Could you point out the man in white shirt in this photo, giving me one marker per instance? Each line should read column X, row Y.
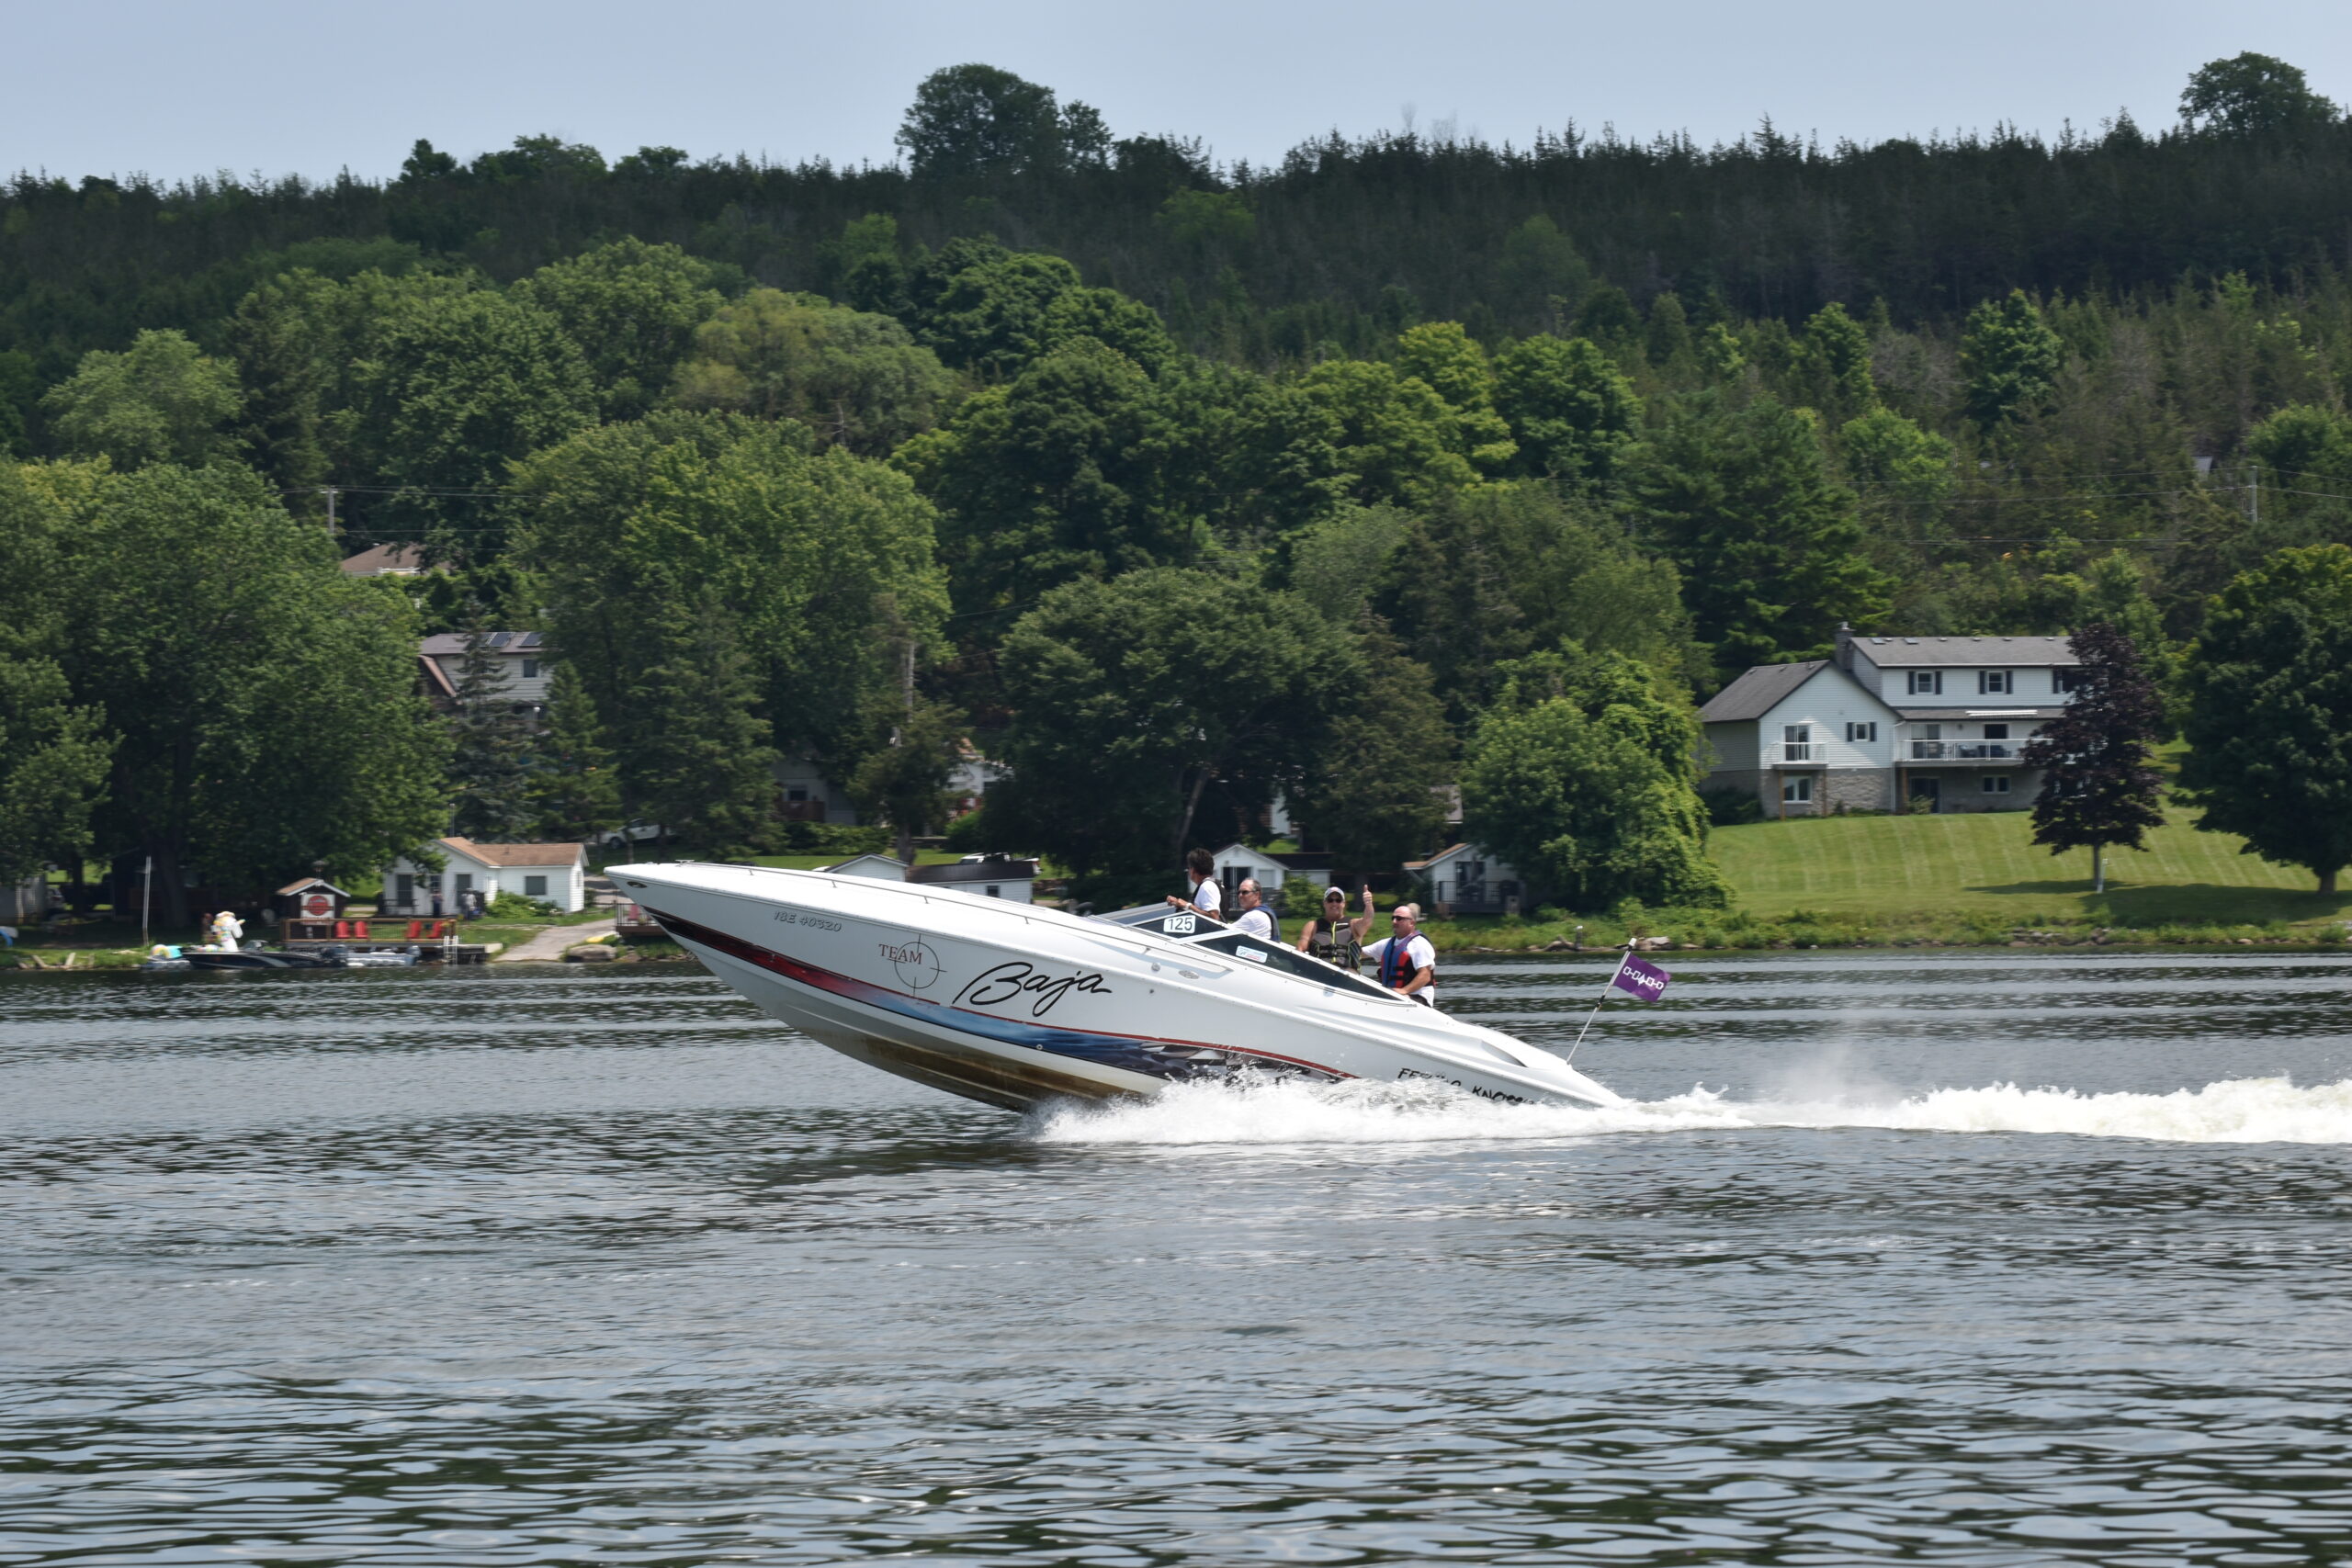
column 1404, row 961
column 1256, row 918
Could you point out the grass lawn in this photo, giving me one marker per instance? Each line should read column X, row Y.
column 1988, row 864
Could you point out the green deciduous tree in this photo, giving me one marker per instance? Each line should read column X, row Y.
column 1581, row 776
column 1132, row 698
column 2010, row 358
column 1572, row 413
column 1370, row 793
column 983, row 308
column 265, row 702
column 1067, row 472
column 2098, row 789
column 857, row 380
column 2249, row 95
column 904, row 779
column 1768, row 546
column 162, row 400
column 632, row 308
column 976, row 121
column 53, row 753
column 2269, row 724
column 749, row 569
column 456, row 389
column 1392, row 437
column 1448, row 361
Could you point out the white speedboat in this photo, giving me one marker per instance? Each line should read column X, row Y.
column 1015, row 1005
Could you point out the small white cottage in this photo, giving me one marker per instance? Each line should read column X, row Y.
column 556, row 872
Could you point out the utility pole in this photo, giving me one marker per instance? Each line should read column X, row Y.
column 330, row 493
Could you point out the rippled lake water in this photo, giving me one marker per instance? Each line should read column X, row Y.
column 1961, row 1258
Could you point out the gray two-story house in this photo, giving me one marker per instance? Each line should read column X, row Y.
column 1891, row 720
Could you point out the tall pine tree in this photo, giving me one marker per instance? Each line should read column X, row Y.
column 2096, row 786
column 490, row 763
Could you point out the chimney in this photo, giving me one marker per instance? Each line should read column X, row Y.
column 1846, row 647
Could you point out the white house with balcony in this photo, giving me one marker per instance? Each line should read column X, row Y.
column 1888, row 721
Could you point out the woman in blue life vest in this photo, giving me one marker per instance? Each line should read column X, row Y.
column 1404, row 961
column 1334, row 938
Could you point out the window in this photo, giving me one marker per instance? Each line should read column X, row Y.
column 534, row 888
column 405, row 889
column 2063, row 681
column 1797, row 791
column 530, row 669
column 465, row 882
column 1994, row 683
column 1927, row 683
column 1997, row 732
column 995, row 890
column 1995, row 783
column 1861, row 731
column 1796, row 743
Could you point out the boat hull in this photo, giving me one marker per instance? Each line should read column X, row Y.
column 1016, row 1006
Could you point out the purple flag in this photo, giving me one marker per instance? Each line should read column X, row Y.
column 1643, row 982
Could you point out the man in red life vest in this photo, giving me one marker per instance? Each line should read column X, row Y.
column 1404, row 960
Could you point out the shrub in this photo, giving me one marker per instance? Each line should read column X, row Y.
column 514, row 906
column 1729, row 806
column 831, row 838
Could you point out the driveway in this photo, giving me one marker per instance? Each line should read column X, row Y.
column 549, row 945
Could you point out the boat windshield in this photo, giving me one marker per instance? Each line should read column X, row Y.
column 1290, row 961
column 1161, row 920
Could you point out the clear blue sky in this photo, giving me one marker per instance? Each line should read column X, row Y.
column 173, row 88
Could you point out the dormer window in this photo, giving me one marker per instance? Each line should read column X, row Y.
column 1994, row 683
column 1927, row 682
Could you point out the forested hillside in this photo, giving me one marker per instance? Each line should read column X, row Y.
column 1413, row 451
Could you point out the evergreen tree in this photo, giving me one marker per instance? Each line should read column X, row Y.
column 2096, row 786
column 575, row 790
column 2010, row 358
column 1768, row 546
column 490, row 744
column 692, row 754
column 2269, row 724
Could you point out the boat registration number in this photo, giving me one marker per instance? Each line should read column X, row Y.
column 794, row 918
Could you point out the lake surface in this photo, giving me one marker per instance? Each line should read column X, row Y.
column 601, row 1268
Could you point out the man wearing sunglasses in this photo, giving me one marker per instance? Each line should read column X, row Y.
column 1404, row 960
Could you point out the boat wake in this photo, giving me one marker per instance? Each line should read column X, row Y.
column 2233, row 1111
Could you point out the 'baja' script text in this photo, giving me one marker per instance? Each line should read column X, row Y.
column 1008, row 982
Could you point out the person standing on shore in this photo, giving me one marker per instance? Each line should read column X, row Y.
column 1202, row 898
column 1334, row 938
column 1406, row 962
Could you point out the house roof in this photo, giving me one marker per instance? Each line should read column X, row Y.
column 977, row 871
column 519, row 854
column 1445, row 854
column 452, row 645
column 1758, row 690
column 378, row 559
column 310, row 882
column 877, row 861
column 1910, row 652
column 436, row 679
